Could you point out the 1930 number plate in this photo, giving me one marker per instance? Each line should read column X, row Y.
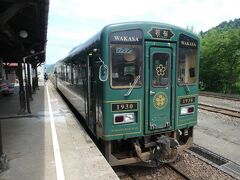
column 187, row 100
column 124, row 106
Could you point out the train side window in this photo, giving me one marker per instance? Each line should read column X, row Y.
column 68, row 73
column 75, row 74
column 63, row 72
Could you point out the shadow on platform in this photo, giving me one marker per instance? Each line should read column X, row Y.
column 10, row 103
column 24, row 142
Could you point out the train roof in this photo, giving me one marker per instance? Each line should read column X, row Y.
column 145, row 25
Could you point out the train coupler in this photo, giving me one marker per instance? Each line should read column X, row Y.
column 166, row 150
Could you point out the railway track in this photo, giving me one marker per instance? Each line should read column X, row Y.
column 179, row 172
column 123, row 173
column 220, row 96
column 139, row 173
column 225, row 111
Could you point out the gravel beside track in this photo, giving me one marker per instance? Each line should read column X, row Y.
column 198, row 169
column 233, row 121
column 187, row 163
column 145, row 173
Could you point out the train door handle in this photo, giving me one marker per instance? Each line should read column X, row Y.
column 152, row 93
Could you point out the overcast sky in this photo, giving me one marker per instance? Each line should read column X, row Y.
column 72, row 22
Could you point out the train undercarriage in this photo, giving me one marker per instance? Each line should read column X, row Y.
column 153, row 150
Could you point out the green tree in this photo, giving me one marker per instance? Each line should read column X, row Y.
column 220, row 60
column 232, row 58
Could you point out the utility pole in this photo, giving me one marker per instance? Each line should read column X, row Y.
column 22, row 99
column 3, row 157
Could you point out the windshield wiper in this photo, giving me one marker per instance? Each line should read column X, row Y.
column 133, row 85
column 186, row 88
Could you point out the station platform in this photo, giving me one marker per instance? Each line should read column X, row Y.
column 49, row 143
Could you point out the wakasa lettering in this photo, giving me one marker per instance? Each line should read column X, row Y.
column 126, row 38
column 187, row 43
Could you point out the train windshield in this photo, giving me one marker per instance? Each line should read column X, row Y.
column 126, row 58
column 187, row 61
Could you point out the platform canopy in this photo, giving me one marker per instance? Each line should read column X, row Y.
column 23, row 29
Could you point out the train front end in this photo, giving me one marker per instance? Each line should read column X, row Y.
column 149, row 104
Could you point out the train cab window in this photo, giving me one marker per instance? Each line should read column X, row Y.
column 126, row 65
column 126, row 58
column 187, row 60
column 160, row 69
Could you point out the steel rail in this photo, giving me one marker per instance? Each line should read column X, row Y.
column 216, row 109
column 219, row 96
column 179, row 172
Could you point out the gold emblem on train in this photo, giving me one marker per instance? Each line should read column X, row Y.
column 160, row 70
column 165, row 33
column 160, row 100
column 158, row 33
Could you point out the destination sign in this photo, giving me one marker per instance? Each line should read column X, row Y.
column 127, row 37
column 187, row 42
column 187, row 100
column 129, row 106
column 159, row 33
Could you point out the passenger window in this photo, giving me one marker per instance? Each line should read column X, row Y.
column 63, row 72
column 68, row 73
column 160, row 69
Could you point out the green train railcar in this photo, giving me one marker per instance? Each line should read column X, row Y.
column 136, row 86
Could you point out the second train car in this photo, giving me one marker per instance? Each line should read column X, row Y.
column 136, row 86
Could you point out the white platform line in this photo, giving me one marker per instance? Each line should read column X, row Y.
column 56, row 149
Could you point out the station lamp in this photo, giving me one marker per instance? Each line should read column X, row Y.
column 32, row 51
column 23, row 34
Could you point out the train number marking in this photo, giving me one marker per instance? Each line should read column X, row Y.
column 124, row 106
column 187, row 100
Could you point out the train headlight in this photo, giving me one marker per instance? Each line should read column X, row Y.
column 123, row 118
column 185, row 110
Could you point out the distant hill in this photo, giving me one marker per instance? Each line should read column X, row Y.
column 225, row 25
column 230, row 24
column 49, row 68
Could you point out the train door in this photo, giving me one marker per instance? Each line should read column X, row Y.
column 159, row 86
column 91, row 120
